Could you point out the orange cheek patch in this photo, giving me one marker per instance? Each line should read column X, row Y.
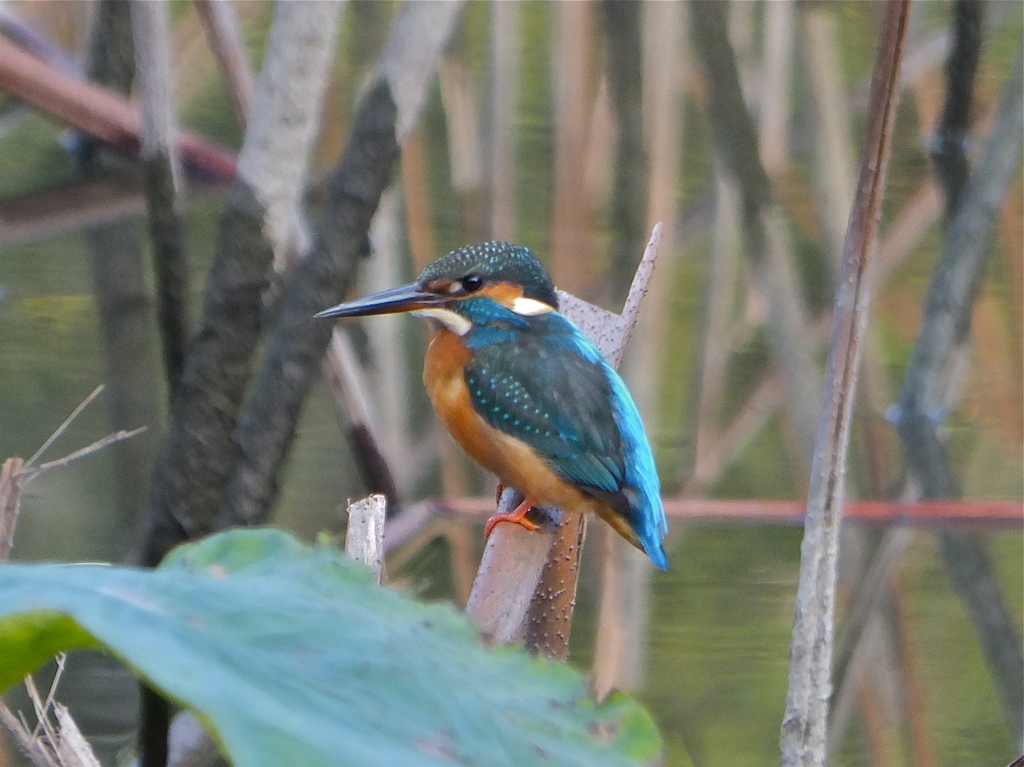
column 503, row 293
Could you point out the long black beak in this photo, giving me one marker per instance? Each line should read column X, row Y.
column 402, row 299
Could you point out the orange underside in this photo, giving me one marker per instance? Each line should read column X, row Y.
column 512, row 461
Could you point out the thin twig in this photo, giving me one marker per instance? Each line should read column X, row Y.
column 64, row 425
column 99, row 444
column 41, row 706
column 16, row 474
column 50, row 743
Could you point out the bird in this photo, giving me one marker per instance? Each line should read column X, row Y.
column 526, row 394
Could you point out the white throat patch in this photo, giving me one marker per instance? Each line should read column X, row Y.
column 530, row 307
column 454, row 322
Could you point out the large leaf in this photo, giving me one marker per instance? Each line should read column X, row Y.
column 293, row 656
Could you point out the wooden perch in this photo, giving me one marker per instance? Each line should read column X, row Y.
column 514, row 561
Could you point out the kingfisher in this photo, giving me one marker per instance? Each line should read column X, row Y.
column 526, row 394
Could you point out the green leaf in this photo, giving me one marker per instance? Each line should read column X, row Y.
column 292, row 655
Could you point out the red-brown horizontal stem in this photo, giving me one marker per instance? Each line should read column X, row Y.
column 95, row 110
column 987, row 512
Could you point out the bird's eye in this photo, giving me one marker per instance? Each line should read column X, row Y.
column 471, row 283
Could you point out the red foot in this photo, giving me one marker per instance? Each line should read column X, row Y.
column 517, row 515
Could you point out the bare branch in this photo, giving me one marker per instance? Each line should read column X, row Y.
column 199, row 449
column 389, row 108
column 110, row 439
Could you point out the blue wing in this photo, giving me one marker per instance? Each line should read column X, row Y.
column 552, row 389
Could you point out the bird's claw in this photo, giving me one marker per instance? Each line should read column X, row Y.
column 517, row 516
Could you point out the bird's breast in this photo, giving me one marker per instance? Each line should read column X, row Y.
column 512, row 460
column 444, row 372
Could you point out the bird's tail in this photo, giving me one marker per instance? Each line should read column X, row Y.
column 647, row 539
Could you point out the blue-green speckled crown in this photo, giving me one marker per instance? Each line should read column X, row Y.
column 495, row 262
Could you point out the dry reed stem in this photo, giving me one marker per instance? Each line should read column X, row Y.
column 221, row 26
column 505, row 36
column 804, row 728
column 53, row 742
column 575, row 93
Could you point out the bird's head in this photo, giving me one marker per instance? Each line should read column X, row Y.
column 450, row 288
